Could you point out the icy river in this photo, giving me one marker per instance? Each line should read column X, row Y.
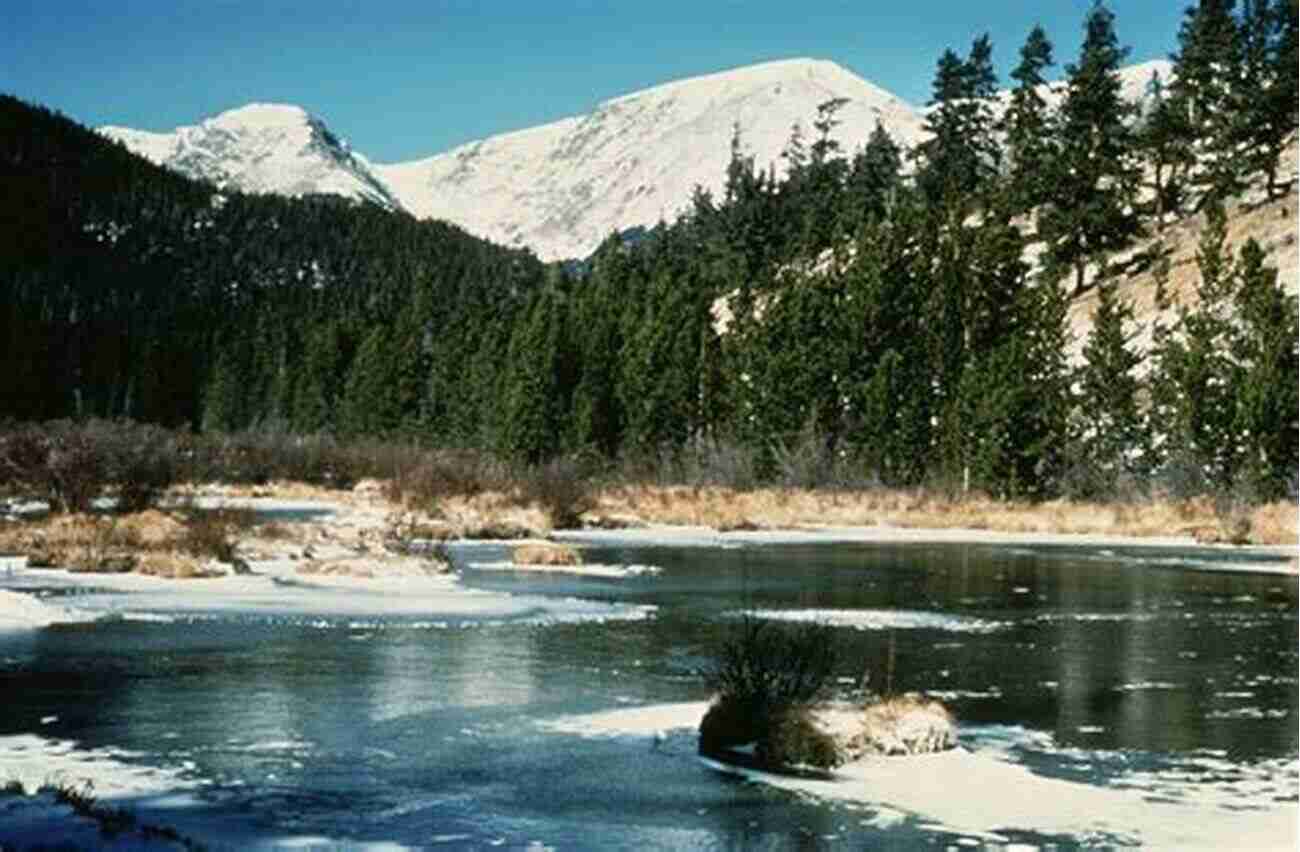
column 1106, row 696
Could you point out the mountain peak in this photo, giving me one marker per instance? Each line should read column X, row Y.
column 262, row 147
column 563, row 187
column 262, row 115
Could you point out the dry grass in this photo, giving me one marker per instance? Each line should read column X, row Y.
column 786, row 508
column 1274, row 523
column 148, row 542
column 545, row 553
column 907, row 724
column 175, row 565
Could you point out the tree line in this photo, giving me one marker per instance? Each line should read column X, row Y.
column 872, row 308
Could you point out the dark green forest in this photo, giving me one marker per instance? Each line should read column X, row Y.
column 869, row 305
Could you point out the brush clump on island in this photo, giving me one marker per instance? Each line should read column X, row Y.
column 770, row 711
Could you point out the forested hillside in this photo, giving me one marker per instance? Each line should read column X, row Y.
column 895, row 316
column 131, row 292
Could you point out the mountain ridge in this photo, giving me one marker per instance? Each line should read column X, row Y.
column 562, row 187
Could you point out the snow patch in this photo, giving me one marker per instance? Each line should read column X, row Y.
column 19, row 611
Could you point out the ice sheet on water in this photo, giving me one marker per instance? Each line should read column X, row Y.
column 983, row 790
column 593, row 569
column 19, row 611
column 880, row 619
column 279, row 594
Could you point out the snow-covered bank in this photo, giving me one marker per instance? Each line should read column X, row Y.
column 979, row 791
column 276, row 589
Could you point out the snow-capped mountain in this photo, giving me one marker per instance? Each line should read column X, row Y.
column 276, row 148
column 561, row 188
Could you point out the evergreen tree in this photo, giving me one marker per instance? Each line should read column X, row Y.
column 1205, row 65
column 874, row 179
column 319, row 380
column 225, row 406
column 1109, row 443
column 1266, row 88
column 1193, row 385
column 598, row 418
column 537, row 383
column 1028, row 126
column 1267, row 398
column 1164, row 138
column 962, row 153
column 1096, row 178
column 371, row 404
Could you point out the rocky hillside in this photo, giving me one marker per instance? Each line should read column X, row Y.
column 1272, row 224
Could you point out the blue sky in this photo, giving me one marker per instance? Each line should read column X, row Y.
column 402, row 79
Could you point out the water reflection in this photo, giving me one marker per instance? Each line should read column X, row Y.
column 390, row 727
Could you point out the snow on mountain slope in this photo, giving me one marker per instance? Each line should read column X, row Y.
column 563, row 187
column 276, row 148
column 1134, row 84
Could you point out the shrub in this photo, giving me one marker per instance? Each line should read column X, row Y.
column 765, row 677
column 562, row 488
column 75, row 467
column 430, row 477
column 139, row 460
column 23, row 450
column 771, row 667
column 213, row 533
column 907, row 724
column 726, row 724
column 70, row 464
column 791, row 739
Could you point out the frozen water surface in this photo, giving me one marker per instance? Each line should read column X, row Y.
column 1127, row 697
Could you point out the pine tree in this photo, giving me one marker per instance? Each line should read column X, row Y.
column 225, row 407
column 319, row 379
column 962, row 153
column 1028, row 126
column 1096, row 178
column 1205, row 65
column 1267, row 397
column 371, row 403
column 1266, row 91
column 1164, row 138
column 598, row 417
column 1194, row 382
column 538, row 380
column 874, row 179
column 823, row 181
column 1110, row 441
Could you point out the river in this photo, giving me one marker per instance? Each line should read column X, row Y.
column 1106, row 696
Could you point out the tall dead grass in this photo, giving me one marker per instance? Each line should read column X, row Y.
column 777, row 508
